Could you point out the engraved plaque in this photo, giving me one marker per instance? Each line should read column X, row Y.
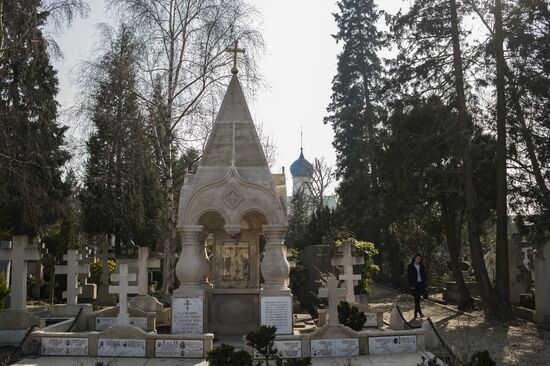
column 64, row 346
column 171, row 348
column 187, row 315
column 277, row 311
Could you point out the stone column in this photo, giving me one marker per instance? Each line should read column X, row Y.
column 275, row 267
column 193, row 265
column 542, row 290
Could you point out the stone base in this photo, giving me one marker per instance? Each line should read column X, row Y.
column 19, row 319
column 89, row 293
column 150, row 304
column 234, row 311
column 12, row 337
column 65, row 310
column 451, row 294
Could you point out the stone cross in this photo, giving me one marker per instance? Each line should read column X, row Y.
column 334, row 295
column 234, row 51
column 526, row 252
column 348, row 261
column 104, row 254
column 72, row 269
column 122, row 289
column 144, row 263
column 19, row 254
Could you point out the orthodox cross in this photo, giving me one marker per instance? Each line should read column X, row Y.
column 123, row 290
column 348, row 261
column 334, row 294
column 235, row 50
column 72, row 269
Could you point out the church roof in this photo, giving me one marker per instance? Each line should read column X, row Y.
column 233, row 140
column 301, row 167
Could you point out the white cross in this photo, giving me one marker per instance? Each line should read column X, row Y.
column 347, row 261
column 123, row 290
column 19, row 254
column 334, row 295
column 144, row 263
column 72, row 269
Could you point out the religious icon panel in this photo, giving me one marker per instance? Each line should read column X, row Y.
column 235, row 261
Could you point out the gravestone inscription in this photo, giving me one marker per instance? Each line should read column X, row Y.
column 64, row 346
column 179, row 348
column 188, row 315
column 277, row 311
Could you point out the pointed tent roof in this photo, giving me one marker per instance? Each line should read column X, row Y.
column 233, row 140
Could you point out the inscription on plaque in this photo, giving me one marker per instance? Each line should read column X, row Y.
column 121, row 347
column 388, row 345
column 179, row 348
column 64, row 346
column 277, row 311
column 335, row 347
column 187, row 315
column 285, row 349
column 102, row 323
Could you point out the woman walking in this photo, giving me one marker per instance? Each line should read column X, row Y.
column 416, row 276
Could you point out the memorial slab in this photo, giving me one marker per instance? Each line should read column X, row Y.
column 277, row 311
column 120, row 347
column 179, row 348
column 188, row 315
column 335, row 347
column 64, row 346
column 392, row 344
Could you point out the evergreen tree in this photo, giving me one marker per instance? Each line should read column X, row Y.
column 121, row 190
column 31, row 153
column 354, row 116
column 298, row 219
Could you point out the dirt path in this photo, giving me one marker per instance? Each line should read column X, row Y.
column 516, row 343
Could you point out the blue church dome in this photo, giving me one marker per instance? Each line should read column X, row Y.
column 301, row 167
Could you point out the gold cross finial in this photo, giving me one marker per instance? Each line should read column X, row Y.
column 235, row 50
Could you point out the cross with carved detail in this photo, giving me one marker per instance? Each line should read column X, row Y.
column 235, row 50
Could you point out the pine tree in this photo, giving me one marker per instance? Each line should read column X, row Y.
column 121, row 190
column 31, row 146
column 354, row 116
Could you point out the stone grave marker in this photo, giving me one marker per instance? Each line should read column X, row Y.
column 72, row 269
column 348, row 261
column 89, row 290
column 19, row 254
column 103, row 295
column 334, row 295
column 144, row 264
column 392, row 344
column 123, row 289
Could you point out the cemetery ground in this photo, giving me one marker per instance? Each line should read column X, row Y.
column 515, row 343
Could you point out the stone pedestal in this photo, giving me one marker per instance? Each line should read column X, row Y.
column 276, row 298
column 542, row 290
column 189, row 300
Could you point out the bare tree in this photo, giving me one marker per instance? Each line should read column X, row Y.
column 321, row 179
column 270, row 149
column 183, row 63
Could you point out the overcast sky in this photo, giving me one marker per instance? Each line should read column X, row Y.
column 298, row 67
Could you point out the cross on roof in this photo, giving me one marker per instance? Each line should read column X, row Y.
column 235, row 50
column 144, row 263
column 347, row 261
column 72, row 269
column 334, row 295
column 18, row 255
column 122, row 289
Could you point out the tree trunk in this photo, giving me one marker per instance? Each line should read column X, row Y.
column 502, row 264
column 452, row 233
column 489, row 298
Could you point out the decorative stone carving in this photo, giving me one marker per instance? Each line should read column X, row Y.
column 275, row 267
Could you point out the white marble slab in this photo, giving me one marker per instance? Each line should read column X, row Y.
column 102, row 323
column 391, row 345
column 372, row 320
column 188, row 315
column 64, row 346
column 169, row 348
column 277, row 311
column 335, row 347
column 120, row 347
column 285, row 349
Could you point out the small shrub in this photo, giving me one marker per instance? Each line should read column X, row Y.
column 225, row 355
column 350, row 316
column 96, row 270
column 4, row 289
column 482, row 359
column 263, row 341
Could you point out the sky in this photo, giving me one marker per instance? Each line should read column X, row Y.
column 298, row 67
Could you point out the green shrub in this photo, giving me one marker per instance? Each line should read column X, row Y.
column 4, row 289
column 263, row 341
column 96, row 270
column 225, row 355
column 350, row 316
column 482, row 359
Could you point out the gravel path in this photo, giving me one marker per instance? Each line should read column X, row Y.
column 516, row 343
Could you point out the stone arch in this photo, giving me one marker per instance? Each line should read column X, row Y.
column 254, row 218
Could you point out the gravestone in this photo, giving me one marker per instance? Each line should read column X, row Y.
column 89, row 290
column 542, row 290
column 123, row 289
column 348, row 261
column 20, row 253
column 334, row 295
column 105, row 254
column 72, row 269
